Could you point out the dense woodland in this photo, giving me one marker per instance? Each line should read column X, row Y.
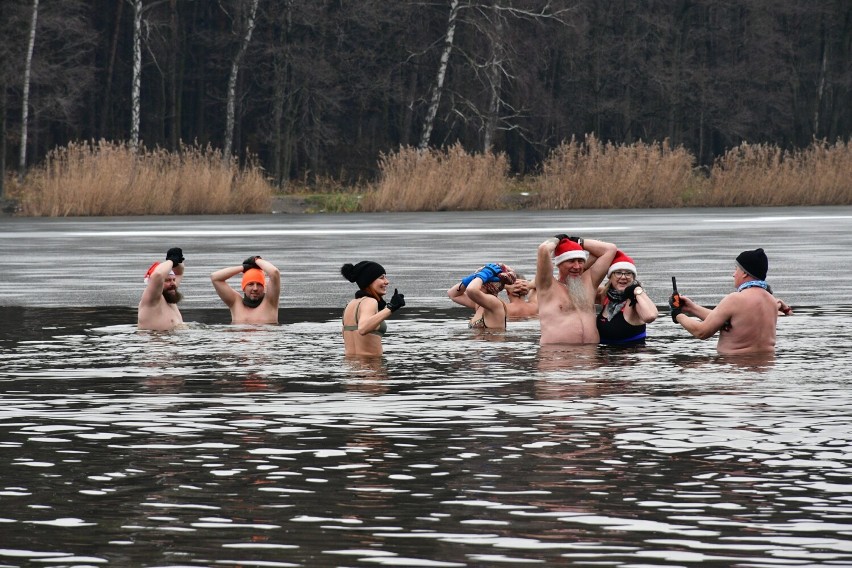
column 321, row 88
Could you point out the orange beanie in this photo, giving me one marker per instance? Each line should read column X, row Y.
column 253, row 275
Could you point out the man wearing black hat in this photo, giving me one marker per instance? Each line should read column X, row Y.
column 745, row 319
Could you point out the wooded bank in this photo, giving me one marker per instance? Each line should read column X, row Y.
column 322, row 89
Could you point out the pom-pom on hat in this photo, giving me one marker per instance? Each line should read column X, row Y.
column 754, row 262
column 621, row 262
column 568, row 250
column 253, row 275
column 151, row 270
column 363, row 273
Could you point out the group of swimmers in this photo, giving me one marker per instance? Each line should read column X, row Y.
column 588, row 273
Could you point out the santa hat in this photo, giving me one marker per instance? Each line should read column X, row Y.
column 253, row 275
column 151, row 270
column 621, row 262
column 568, row 250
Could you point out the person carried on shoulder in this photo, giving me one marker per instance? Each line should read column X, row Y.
column 158, row 310
column 746, row 319
column 261, row 286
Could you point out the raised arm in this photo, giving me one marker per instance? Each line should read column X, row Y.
column 457, row 294
column 154, row 289
column 544, row 265
column 478, row 296
column 601, row 254
column 223, row 289
column 371, row 316
column 641, row 306
column 273, row 289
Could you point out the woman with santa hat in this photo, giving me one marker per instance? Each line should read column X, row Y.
column 625, row 307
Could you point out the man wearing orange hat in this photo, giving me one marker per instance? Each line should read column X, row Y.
column 259, row 303
column 566, row 303
column 158, row 309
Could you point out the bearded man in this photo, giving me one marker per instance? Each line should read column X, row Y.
column 566, row 303
column 158, row 309
column 259, row 302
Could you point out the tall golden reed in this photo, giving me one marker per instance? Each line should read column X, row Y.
column 437, row 180
column 765, row 175
column 109, row 178
column 593, row 174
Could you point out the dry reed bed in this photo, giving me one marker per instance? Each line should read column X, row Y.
column 592, row 174
column 111, row 179
column 596, row 175
column 107, row 178
column 760, row 174
column 437, row 180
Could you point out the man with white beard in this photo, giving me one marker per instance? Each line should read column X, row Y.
column 566, row 304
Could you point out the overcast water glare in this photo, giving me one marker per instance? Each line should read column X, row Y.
column 263, row 446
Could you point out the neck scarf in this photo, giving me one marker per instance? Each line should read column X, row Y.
column 614, row 305
column 754, row 284
column 363, row 294
column 248, row 302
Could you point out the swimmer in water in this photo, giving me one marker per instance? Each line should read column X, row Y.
column 566, row 304
column 364, row 317
column 158, row 310
column 523, row 302
column 261, row 285
column 479, row 290
column 745, row 319
column 625, row 307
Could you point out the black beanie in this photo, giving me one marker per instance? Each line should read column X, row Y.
column 363, row 273
column 754, row 262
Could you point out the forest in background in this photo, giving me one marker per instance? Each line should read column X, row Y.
column 321, row 88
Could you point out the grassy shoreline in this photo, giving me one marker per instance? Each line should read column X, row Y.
column 98, row 179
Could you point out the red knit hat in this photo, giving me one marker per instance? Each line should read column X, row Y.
column 568, row 250
column 621, row 262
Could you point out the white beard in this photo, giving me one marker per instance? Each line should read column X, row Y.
column 577, row 293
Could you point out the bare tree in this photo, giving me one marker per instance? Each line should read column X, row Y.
column 429, row 121
column 136, row 86
column 25, row 103
column 232, row 80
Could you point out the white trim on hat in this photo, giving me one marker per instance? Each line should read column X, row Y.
column 570, row 255
column 623, row 265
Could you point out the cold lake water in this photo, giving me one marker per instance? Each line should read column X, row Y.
column 221, row 445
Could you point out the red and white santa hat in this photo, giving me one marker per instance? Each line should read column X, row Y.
column 152, row 268
column 568, row 250
column 621, row 262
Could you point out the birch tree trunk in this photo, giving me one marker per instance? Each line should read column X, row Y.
column 25, row 102
column 429, row 122
column 232, row 83
column 2, row 138
column 135, row 94
column 495, row 82
column 821, row 83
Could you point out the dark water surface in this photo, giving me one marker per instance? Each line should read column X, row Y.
column 262, row 446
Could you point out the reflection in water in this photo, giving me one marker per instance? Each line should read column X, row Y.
column 265, row 446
